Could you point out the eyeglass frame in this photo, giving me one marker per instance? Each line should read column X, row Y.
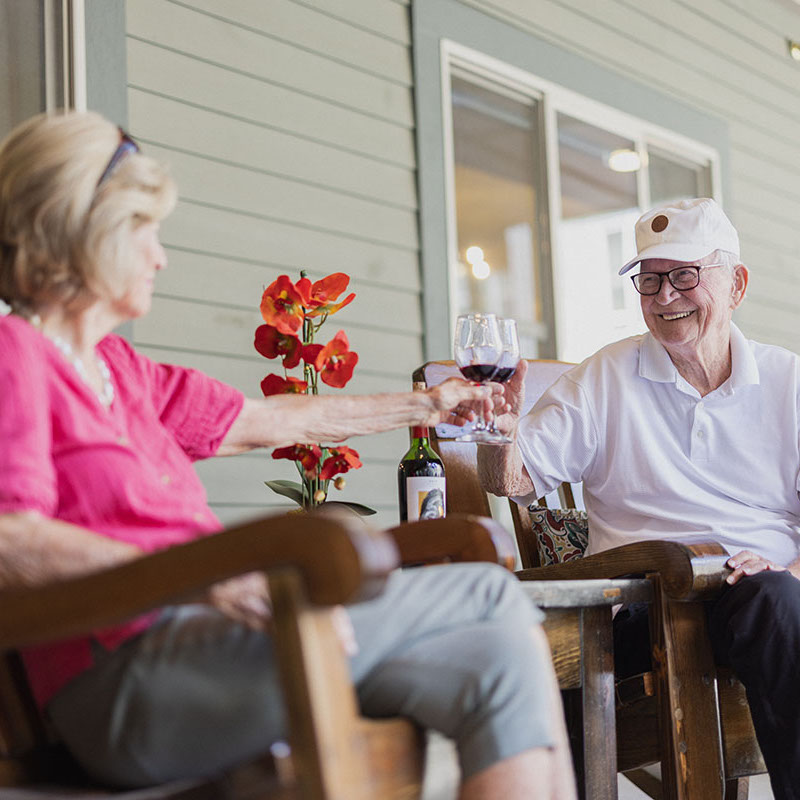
column 668, row 274
column 126, row 145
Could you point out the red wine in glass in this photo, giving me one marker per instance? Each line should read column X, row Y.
column 479, row 373
column 503, row 374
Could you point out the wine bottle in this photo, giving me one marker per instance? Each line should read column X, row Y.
column 420, row 478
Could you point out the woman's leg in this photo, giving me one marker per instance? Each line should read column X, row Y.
column 193, row 695
column 452, row 649
column 547, row 769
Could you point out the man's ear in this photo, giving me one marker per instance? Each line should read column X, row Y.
column 740, row 279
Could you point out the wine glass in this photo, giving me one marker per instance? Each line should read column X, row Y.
column 478, row 349
column 509, row 358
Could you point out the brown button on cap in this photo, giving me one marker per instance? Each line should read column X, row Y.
column 659, row 223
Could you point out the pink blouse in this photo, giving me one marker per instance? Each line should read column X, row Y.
column 124, row 472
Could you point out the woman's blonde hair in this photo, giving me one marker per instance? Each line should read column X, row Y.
column 64, row 239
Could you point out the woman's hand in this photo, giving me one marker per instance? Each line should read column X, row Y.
column 244, row 599
column 748, row 563
column 457, row 401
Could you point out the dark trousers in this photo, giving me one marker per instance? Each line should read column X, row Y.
column 755, row 628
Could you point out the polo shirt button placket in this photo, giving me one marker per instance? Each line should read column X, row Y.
column 699, row 448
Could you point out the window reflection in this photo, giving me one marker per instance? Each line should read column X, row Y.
column 672, row 178
column 500, row 205
column 599, row 206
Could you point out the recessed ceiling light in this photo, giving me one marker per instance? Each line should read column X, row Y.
column 624, row 160
column 481, row 270
column 474, row 254
column 794, row 49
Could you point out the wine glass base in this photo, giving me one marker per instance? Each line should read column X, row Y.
column 484, row 437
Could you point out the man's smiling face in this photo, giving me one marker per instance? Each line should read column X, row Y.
column 688, row 320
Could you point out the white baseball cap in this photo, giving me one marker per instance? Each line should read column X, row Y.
column 684, row 230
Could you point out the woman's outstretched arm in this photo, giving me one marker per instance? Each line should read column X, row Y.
column 286, row 419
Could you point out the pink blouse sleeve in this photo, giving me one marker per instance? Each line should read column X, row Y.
column 27, row 474
column 196, row 409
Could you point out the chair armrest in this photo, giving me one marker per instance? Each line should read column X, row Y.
column 339, row 560
column 589, row 593
column 688, row 572
column 457, row 537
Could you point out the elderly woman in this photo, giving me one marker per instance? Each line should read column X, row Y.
column 96, row 468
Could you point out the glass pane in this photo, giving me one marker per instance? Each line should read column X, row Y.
column 599, row 206
column 672, row 178
column 500, row 206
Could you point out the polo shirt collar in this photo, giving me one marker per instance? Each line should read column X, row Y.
column 744, row 369
column 654, row 361
column 656, row 365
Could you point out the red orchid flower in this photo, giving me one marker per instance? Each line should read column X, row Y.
column 282, row 305
column 274, row 384
column 335, row 362
column 319, row 297
column 307, row 454
column 310, row 352
column 341, row 459
column 271, row 343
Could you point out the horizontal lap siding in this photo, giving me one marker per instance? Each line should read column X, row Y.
column 288, row 126
column 727, row 58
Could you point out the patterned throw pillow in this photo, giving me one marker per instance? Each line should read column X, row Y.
column 561, row 533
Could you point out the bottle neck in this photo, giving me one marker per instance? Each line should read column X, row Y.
column 420, row 432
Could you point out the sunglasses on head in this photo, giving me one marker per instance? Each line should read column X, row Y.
column 126, row 145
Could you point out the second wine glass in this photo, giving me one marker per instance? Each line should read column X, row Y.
column 509, row 358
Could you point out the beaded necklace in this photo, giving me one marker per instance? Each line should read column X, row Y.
column 106, row 397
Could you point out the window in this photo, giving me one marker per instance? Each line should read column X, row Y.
column 499, row 207
column 544, row 190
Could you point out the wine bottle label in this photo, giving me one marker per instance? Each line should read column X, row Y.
column 425, row 498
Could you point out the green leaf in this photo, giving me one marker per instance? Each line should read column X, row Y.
column 356, row 508
column 290, row 489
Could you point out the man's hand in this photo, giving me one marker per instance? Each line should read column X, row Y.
column 507, row 416
column 749, row 563
column 457, row 401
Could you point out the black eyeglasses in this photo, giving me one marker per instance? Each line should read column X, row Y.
column 681, row 278
column 126, row 145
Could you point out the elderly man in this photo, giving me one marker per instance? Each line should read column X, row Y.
column 687, row 431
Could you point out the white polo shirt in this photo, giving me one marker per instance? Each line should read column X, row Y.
column 658, row 460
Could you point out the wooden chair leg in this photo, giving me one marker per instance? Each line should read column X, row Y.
column 590, row 712
column 691, row 765
column 599, row 718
